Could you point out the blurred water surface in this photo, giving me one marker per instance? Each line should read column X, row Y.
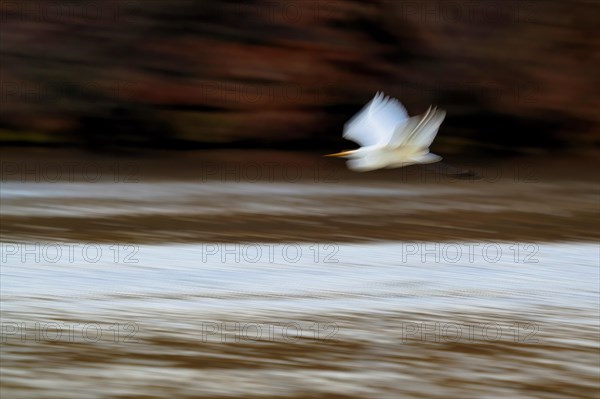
column 184, row 321
column 196, row 310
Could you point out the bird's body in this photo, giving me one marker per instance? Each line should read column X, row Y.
column 389, row 138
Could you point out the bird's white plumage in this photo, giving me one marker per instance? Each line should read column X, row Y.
column 388, row 137
column 376, row 122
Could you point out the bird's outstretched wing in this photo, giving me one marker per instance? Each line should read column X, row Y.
column 425, row 132
column 376, row 122
column 418, row 131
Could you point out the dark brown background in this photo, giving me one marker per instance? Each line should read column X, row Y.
column 513, row 75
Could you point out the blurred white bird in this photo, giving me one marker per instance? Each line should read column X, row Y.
column 388, row 137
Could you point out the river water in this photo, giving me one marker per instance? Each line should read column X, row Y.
column 297, row 290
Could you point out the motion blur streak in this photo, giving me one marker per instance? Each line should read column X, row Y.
column 267, row 289
column 170, row 227
column 193, row 327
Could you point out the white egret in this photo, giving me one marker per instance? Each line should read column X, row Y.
column 388, row 137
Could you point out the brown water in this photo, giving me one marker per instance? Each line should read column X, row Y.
column 205, row 283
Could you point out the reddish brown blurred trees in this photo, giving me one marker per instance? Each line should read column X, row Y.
column 510, row 73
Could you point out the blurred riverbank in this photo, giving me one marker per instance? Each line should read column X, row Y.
column 241, row 196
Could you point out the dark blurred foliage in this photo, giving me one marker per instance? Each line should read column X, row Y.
column 513, row 75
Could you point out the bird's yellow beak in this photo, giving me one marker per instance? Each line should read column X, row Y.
column 340, row 154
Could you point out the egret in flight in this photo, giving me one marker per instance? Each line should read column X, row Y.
column 388, row 137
